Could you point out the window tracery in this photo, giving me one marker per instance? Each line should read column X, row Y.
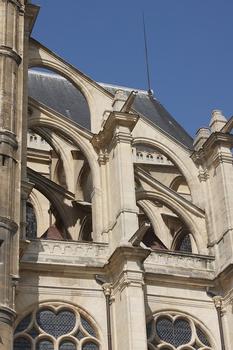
column 56, row 327
column 173, row 330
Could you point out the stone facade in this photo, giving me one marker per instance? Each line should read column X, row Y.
column 119, row 236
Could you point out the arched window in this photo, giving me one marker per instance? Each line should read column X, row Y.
column 184, row 244
column 31, row 227
column 56, row 327
column 174, row 330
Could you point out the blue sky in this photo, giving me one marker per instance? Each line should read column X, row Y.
column 190, row 49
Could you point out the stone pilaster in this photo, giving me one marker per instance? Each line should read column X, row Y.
column 128, row 305
column 214, row 158
column 116, row 141
column 11, row 116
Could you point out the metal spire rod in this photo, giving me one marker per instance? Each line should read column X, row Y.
column 146, row 54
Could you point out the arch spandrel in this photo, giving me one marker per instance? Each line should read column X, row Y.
column 145, row 134
column 97, row 98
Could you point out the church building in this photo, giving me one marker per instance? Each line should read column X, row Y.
column 116, row 227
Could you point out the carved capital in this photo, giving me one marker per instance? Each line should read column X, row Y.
column 218, row 301
column 107, row 289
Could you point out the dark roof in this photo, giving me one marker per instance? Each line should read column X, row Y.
column 60, row 95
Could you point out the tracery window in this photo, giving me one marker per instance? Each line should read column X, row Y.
column 184, row 244
column 56, row 327
column 171, row 331
column 31, row 227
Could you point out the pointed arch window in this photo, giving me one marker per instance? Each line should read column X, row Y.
column 185, row 244
column 31, row 223
column 174, row 330
column 56, row 327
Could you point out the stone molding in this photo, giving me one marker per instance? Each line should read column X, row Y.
column 180, row 264
column 7, row 315
column 8, row 224
column 207, row 149
column 9, row 52
column 107, row 136
column 66, row 253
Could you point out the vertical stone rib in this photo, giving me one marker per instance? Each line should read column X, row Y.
column 11, row 118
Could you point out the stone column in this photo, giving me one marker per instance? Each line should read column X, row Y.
column 128, row 305
column 11, row 101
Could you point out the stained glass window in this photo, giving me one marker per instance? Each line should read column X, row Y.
column 22, row 343
column 56, row 324
column 185, row 244
column 55, row 327
column 90, row 346
column 172, row 330
column 176, row 332
column 67, row 345
column 31, row 227
column 44, row 345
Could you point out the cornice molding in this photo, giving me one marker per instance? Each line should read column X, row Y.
column 9, row 52
column 114, row 121
column 208, row 148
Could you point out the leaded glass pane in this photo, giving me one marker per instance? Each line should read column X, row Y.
column 79, row 335
column 202, row 337
column 67, row 345
column 44, row 345
column 22, row 344
column 86, row 325
column 56, row 324
column 90, row 346
column 31, row 228
column 23, row 324
column 33, row 332
column 185, row 244
column 176, row 333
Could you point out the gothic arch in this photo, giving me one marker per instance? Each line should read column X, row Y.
column 40, row 56
column 156, row 221
column 46, row 118
column 57, row 322
column 184, row 166
column 53, row 141
column 194, row 223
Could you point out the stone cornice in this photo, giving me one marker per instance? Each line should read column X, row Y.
column 215, row 139
column 115, row 119
column 124, row 254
